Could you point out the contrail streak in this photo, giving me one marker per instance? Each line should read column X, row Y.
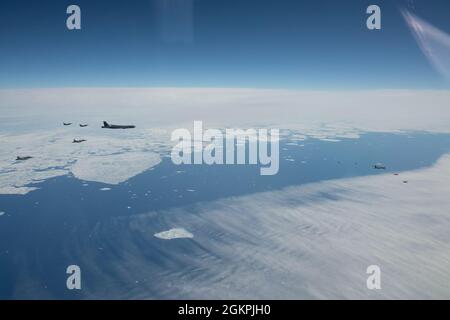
column 433, row 42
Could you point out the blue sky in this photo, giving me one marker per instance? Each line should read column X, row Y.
column 216, row 43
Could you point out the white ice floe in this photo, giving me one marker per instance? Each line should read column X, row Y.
column 330, row 140
column 176, row 233
column 2, row 213
column 114, row 169
column 109, row 158
column 105, row 189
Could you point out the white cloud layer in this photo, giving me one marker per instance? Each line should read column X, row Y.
column 315, row 241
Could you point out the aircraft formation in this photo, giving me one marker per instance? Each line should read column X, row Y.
column 106, row 125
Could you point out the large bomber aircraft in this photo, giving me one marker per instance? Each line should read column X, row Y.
column 106, row 125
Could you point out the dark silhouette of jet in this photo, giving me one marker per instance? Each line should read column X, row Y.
column 106, row 125
column 23, row 158
column 67, row 123
column 83, row 125
column 78, row 141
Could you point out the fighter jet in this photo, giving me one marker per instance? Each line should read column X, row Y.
column 106, row 125
column 78, row 141
column 379, row 166
column 83, row 125
column 23, row 158
column 67, row 123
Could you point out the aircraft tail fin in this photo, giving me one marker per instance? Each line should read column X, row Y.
column 105, row 124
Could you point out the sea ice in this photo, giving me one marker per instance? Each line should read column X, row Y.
column 177, row 233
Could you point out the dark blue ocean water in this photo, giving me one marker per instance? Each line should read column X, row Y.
column 40, row 229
